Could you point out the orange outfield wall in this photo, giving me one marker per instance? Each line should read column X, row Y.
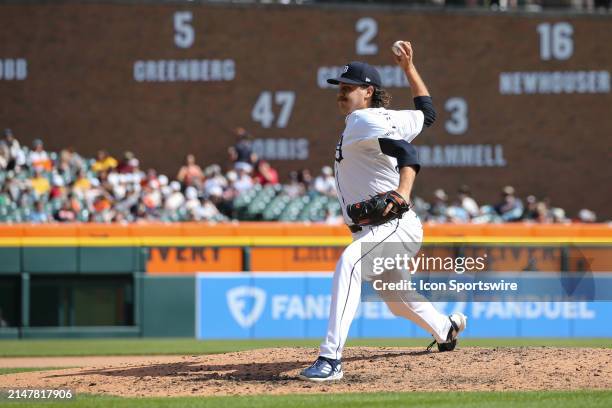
column 177, row 247
column 266, row 229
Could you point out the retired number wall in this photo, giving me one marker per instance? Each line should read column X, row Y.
column 522, row 100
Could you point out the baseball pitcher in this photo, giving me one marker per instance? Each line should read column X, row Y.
column 375, row 168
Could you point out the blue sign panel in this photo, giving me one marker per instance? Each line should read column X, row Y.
column 284, row 305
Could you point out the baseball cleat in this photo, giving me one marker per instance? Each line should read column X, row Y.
column 458, row 324
column 324, row 369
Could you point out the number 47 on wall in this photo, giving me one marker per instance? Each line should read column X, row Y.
column 262, row 110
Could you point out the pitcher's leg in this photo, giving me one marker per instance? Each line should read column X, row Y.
column 413, row 306
column 346, row 296
column 424, row 315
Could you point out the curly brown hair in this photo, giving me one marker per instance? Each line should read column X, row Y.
column 380, row 98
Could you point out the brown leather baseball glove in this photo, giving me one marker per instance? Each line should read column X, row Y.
column 370, row 212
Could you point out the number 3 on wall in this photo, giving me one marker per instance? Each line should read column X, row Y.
column 458, row 122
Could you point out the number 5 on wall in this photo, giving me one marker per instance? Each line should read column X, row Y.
column 184, row 34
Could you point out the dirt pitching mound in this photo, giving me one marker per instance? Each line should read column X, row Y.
column 367, row 369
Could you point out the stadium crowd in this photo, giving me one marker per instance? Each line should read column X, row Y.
column 39, row 186
column 589, row 6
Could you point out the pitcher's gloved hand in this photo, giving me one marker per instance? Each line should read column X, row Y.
column 372, row 211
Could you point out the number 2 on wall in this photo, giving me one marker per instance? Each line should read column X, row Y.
column 368, row 28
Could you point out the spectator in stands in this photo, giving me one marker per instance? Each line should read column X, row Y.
column 503, row 4
column 102, row 207
column 63, row 167
column 17, row 155
column 151, row 199
column 74, row 159
column 294, row 188
column 220, row 200
column 119, row 217
column 129, row 163
column 530, row 213
column 455, row 213
column 467, row 202
column 558, row 215
column 175, row 199
column 65, row 213
column 586, row 215
column 305, row 178
column 543, row 213
column 265, row 174
column 510, row 208
column 438, row 209
column 38, row 159
column 241, row 154
column 325, row 183
column 538, row 211
column 39, row 214
column 214, row 178
column 15, row 188
column 243, row 180
column 208, row 210
column 57, row 187
column 82, row 183
column 129, row 205
column 104, row 162
column 5, row 155
column 75, row 203
column 40, row 183
column 153, row 181
column 192, row 202
column 190, row 174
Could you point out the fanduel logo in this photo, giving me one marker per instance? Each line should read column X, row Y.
column 237, row 303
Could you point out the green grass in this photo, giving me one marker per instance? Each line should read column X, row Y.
column 104, row 347
column 13, row 370
column 553, row 399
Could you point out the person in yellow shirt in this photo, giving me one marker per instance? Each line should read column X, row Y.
column 104, row 162
column 40, row 183
column 82, row 183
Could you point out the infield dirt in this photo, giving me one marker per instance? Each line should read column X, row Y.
column 367, row 369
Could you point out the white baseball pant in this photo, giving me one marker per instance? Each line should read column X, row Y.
column 346, row 289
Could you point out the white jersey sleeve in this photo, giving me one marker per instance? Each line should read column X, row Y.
column 409, row 123
column 365, row 124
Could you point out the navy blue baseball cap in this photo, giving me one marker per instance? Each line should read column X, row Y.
column 358, row 73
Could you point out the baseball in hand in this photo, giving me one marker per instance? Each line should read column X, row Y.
column 397, row 48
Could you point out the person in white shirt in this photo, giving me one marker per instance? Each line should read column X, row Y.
column 325, row 183
column 374, row 155
column 38, row 159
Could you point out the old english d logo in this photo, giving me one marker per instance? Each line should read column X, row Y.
column 237, row 300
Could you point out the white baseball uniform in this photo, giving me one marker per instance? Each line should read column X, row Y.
column 363, row 170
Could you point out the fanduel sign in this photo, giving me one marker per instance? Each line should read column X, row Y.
column 297, row 305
